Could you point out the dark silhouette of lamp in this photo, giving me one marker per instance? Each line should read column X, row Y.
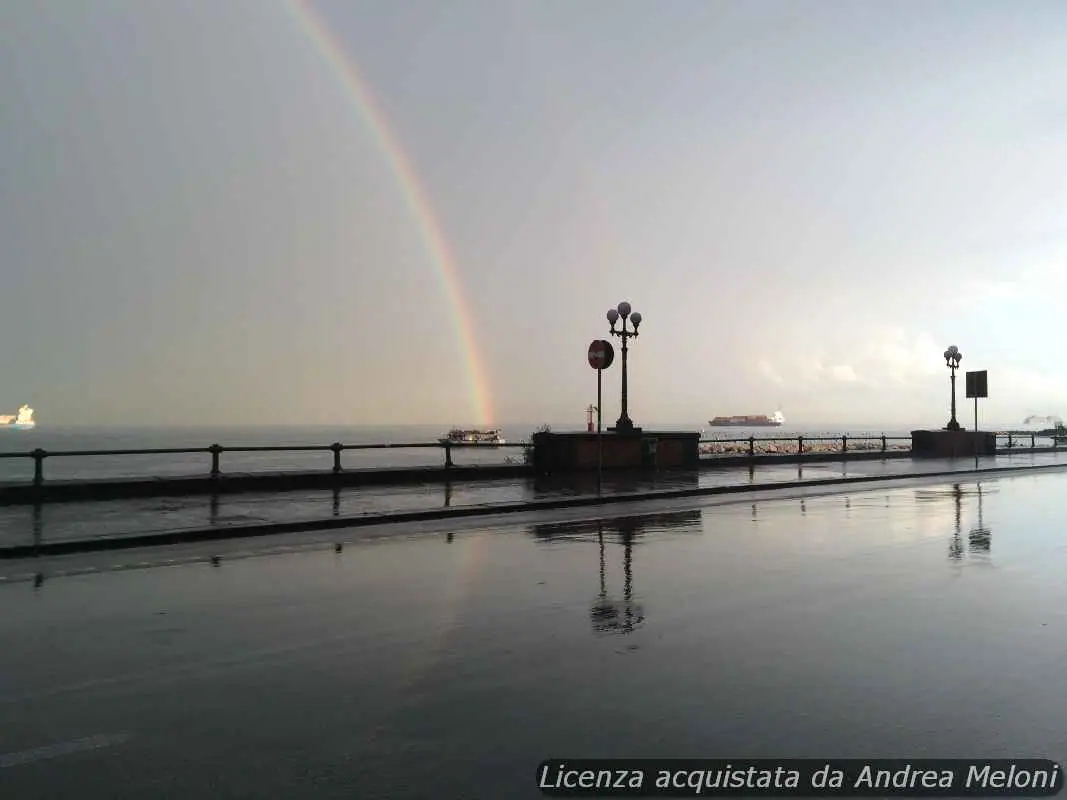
column 623, row 312
column 953, row 356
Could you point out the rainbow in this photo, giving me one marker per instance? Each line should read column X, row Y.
column 414, row 195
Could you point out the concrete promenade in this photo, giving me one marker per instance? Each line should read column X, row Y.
column 922, row 618
column 23, row 527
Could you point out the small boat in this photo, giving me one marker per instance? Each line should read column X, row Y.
column 458, row 437
column 23, row 421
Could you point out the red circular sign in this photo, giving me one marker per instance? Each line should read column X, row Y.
column 601, row 354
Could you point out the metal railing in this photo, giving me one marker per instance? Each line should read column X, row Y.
column 809, row 445
column 216, row 450
column 709, row 449
column 1028, row 441
column 802, row 445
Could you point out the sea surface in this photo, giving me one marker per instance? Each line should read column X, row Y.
column 68, row 439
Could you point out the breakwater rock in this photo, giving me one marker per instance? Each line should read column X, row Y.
column 792, row 446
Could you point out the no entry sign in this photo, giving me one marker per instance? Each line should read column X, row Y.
column 601, row 354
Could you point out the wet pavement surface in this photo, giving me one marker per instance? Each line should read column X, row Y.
column 926, row 617
column 76, row 521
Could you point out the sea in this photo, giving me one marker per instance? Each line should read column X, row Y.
column 15, row 445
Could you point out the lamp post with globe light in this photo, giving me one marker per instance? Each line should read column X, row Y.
column 623, row 313
column 953, row 356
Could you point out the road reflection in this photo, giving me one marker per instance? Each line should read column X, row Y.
column 617, row 483
column 979, row 540
column 611, row 614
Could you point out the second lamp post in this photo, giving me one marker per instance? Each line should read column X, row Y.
column 623, row 312
column 952, row 361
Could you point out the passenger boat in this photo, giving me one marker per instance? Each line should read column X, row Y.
column 473, row 438
column 23, row 421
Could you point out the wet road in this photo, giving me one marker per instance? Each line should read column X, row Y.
column 920, row 618
column 75, row 521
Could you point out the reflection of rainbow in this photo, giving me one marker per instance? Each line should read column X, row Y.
column 414, row 195
column 471, row 555
column 420, row 674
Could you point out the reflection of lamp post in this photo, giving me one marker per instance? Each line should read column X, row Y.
column 955, row 549
column 952, row 361
column 981, row 537
column 624, row 424
column 605, row 612
column 628, row 587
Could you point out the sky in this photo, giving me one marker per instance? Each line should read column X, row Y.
column 337, row 212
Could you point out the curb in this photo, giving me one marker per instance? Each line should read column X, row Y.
column 366, row 520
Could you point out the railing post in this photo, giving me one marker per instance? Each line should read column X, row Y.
column 844, row 444
column 800, row 445
column 1009, row 441
column 884, row 445
column 337, row 447
column 215, row 450
column 448, row 455
column 751, row 446
column 38, row 466
column 1033, row 439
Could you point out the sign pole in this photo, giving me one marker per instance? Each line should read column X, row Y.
column 978, row 386
column 601, row 354
column 599, row 431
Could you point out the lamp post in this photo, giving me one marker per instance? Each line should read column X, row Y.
column 623, row 312
column 953, row 356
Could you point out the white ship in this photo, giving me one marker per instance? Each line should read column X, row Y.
column 473, row 438
column 22, row 421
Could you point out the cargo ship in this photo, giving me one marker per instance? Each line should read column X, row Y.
column 749, row 421
column 23, row 421
column 473, row 438
column 1054, row 427
column 1051, row 419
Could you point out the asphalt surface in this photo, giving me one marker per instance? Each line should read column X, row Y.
column 922, row 618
